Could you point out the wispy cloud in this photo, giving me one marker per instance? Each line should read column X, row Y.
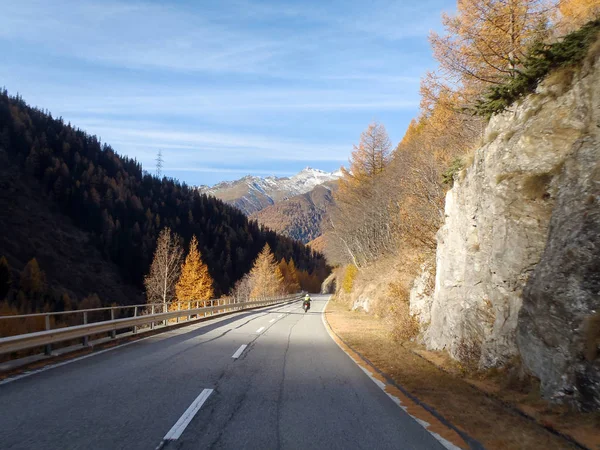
column 221, row 84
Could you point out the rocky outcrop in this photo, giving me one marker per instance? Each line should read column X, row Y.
column 329, row 284
column 559, row 322
column 518, row 254
column 421, row 295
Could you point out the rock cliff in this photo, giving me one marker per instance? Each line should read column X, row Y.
column 518, row 257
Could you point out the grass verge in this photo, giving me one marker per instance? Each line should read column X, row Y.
column 482, row 413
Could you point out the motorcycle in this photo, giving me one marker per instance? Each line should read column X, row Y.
column 306, row 306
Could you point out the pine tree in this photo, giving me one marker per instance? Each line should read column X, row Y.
column 165, row 268
column 266, row 278
column 195, row 283
column 5, row 277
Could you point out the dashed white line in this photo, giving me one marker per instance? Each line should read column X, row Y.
column 179, row 427
column 272, row 320
column 281, row 315
column 239, row 351
column 260, row 330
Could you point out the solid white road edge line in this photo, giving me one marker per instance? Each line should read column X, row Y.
column 179, row 427
column 272, row 320
column 239, row 351
column 260, row 329
column 449, row 445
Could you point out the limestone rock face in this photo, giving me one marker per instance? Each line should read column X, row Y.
column 420, row 299
column 518, row 253
column 559, row 323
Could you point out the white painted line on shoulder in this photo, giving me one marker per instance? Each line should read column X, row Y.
column 281, row 315
column 260, row 330
column 239, row 351
column 272, row 320
column 447, row 444
column 180, row 426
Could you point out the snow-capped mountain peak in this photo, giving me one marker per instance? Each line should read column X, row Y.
column 253, row 193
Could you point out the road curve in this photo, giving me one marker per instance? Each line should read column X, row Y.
column 263, row 379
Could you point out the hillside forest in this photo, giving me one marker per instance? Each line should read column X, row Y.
column 107, row 202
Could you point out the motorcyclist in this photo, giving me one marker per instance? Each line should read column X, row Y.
column 306, row 303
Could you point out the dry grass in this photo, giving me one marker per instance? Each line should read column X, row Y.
column 536, row 186
column 560, row 80
column 481, row 416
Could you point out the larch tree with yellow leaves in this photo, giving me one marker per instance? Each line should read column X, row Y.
column 265, row 276
column 195, row 282
column 290, row 276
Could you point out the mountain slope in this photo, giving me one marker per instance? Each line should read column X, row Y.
column 30, row 227
column 252, row 194
column 123, row 208
column 299, row 217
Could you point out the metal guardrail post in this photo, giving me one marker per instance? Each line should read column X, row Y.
column 135, row 315
column 113, row 333
column 85, row 321
column 178, row 309
column 152, row 323
column 48, row 347
column 189, row 307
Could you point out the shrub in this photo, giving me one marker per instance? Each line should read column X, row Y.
column 448, row 176
column 349, row 277
column 404, row 325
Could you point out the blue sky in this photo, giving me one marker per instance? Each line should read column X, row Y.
column 224, row 88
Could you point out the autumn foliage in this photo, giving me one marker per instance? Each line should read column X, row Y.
column 391, row 203
column 291, row 284
column 265, row 275
column 194, row 282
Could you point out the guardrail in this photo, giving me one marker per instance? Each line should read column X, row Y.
column 51, row 336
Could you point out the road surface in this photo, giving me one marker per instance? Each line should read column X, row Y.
column 290, row 387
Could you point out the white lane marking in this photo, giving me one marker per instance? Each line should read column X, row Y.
column 281, row 315
column 260, row 329
column 64, row 363
column 239, row 351
column 447, row 444
column 272, row 320
column 179, row 427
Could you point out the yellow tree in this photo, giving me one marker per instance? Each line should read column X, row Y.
column 265, row 277
column 372, row 154
column 290, row 276
column 357, row 220
column 484, row 43
column 575, row 13
column 195, row 283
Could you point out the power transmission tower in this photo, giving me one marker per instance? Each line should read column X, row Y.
column 159, row 164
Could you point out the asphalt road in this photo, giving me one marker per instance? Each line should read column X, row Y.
column 292, row 387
